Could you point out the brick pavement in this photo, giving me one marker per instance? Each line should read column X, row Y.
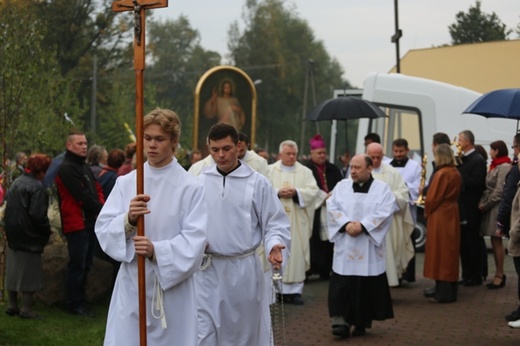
column 477, row 318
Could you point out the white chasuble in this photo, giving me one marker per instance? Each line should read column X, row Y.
column 300, row 214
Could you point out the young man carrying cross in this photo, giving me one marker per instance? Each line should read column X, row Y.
column 173, row 202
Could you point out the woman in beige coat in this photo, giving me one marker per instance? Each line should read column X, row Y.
column 489, row 203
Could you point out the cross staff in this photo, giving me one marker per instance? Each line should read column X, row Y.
column 139, row 7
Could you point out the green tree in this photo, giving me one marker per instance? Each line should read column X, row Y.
column 33, row 98
column 79, row 31
column 177, row 62
column 115, row 107
column 476, row 26
column 76, row 27
column 276, row 47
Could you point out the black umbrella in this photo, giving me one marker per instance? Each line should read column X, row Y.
column 344, row 108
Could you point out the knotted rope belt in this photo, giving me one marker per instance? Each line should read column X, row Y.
column 208, row 257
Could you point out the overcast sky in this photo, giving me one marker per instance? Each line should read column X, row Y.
column 355, row 32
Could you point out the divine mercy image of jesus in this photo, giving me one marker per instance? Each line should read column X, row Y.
column 224, row 94
column 224, row 106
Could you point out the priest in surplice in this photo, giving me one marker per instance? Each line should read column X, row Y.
column 360, row 213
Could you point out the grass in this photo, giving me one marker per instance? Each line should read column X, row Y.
column 57, row 329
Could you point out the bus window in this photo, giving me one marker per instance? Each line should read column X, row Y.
column 400, row 123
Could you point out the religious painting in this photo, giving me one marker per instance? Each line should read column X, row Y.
column 224, row 94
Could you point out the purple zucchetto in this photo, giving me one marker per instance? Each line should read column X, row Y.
column 317, row 142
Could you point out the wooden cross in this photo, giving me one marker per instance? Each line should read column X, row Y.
column 139, row 7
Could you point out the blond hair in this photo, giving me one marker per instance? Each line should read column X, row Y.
column 444, row 156
column 167, row 119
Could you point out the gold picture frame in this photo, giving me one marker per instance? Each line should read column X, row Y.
column 224, row 94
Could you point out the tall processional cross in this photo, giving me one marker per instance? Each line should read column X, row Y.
column 139, row 7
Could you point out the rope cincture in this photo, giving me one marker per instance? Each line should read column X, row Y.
column 208, row 257
column 157, row 300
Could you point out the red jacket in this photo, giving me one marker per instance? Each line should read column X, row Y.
column 80, row 195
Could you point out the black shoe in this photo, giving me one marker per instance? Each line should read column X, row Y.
column 84, row 312
column 12, row 312
column 359, row 331
column 493, row 286
column 31, row 316
column 513, row 316
column 325, row 276
column 462, row 281
column 341, row 330
column 297, row 299
column 471, row 283
column 437, row 301
column 287, row 298
column 429, row 292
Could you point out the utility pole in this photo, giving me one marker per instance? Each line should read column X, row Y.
column 313, row 86
column 93, row 96
column 397, row 35
column 304, row 109
column 309, row 71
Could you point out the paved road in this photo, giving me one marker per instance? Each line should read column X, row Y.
column 477, row 318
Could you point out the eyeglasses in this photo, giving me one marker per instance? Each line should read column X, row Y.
column 514, row 146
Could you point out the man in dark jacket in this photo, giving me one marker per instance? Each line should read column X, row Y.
column 81, row 199
column 473, row 172
column 504, row 210
column 512, row 179
column 327, row 176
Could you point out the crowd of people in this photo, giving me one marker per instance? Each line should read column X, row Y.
column 219, row 228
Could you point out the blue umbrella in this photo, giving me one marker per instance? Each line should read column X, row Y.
column 502, row 103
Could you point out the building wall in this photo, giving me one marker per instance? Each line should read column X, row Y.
column 481, row 67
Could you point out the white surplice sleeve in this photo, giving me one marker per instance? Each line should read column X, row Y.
column 336, row 216
column 378, row 220
column 110, row 225
column 271, row 216
column 307, row 192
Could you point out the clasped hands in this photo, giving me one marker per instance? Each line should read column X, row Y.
column 354, row 228
column 287, row 192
